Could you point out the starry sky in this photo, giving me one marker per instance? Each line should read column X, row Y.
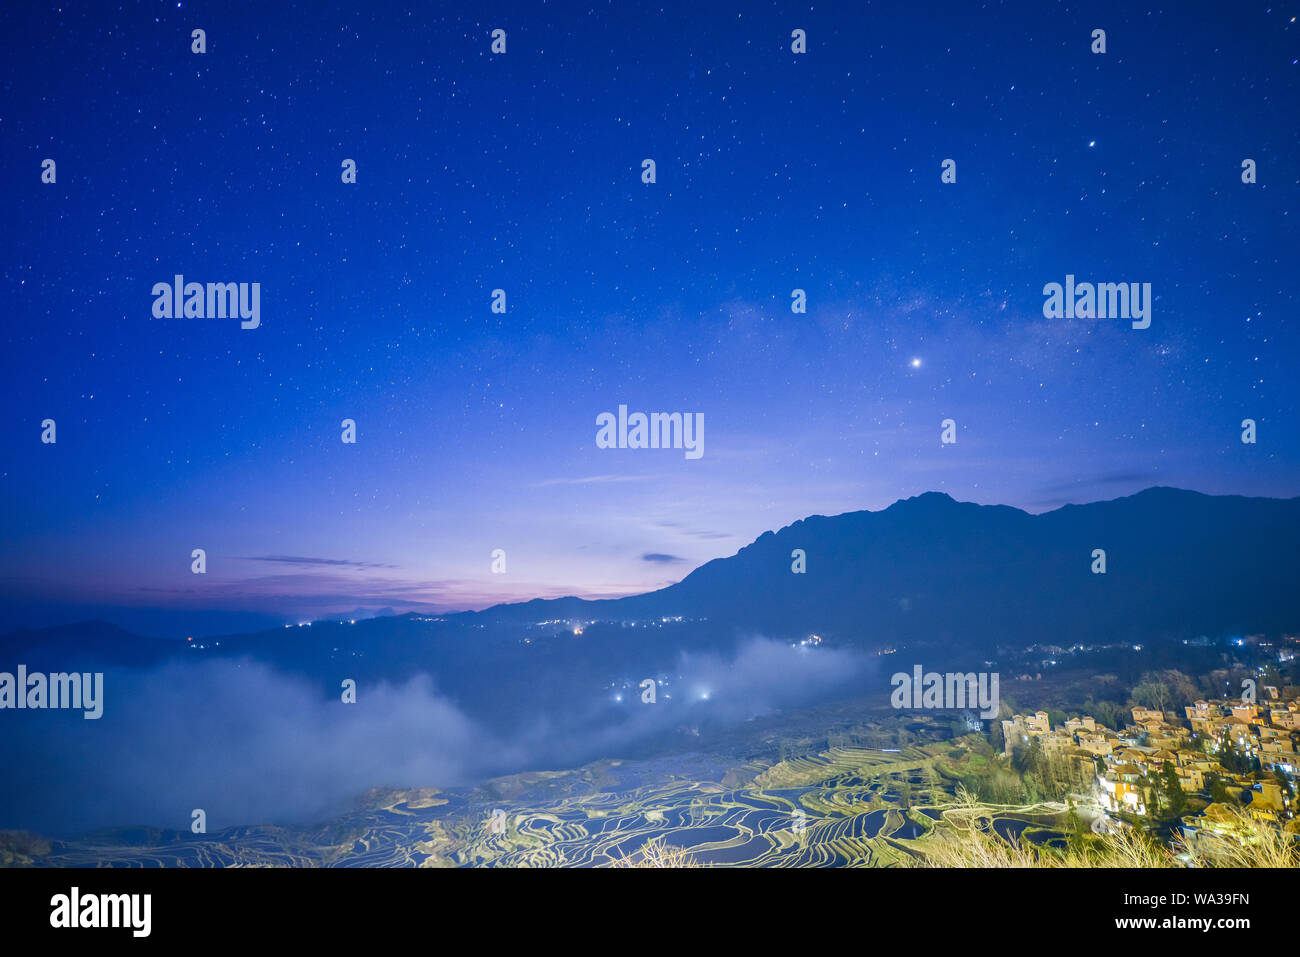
column 522, row 171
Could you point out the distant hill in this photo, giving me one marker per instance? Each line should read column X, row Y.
column 925, row 571
column 83, row 647
column 20, row 612
column 931, row 569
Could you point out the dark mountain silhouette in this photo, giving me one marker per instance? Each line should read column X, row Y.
column 18, row 611
column 84, row 647
column 361, row 614
column 925, row 571
column 931, row 569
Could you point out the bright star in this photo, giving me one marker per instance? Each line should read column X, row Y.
column 916, row 363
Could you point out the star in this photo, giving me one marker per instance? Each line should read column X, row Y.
column 916, row 363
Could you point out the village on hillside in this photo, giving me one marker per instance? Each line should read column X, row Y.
column 1191, row 769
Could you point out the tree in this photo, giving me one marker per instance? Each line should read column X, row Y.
column 1025, row 760
column 1107, row 713
column 1174, row 799
column 996, row 737
column 1230, row 759
column 1164, row 690
column 1153, row 694
column 1282, row 781
column 1182, row 689
column 1218, row 790
column 1076, row 830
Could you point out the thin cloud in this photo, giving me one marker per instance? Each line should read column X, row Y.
column 590, row 480
column 1071, row 493
column 693, row 533
column 301, row 560
column 1110, row 478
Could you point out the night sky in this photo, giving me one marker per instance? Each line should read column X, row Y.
column 523, row 171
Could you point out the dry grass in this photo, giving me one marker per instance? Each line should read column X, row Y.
column 656, row 853
column 1250, row 843
column 968, row 840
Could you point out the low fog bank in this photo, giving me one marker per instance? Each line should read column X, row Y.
column 250, row 744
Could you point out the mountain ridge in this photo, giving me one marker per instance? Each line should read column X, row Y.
column 932, row 567
column 935, row 525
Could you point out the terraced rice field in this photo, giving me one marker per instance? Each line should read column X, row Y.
column 839, row 807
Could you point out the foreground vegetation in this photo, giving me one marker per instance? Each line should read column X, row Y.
column 966, row 839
